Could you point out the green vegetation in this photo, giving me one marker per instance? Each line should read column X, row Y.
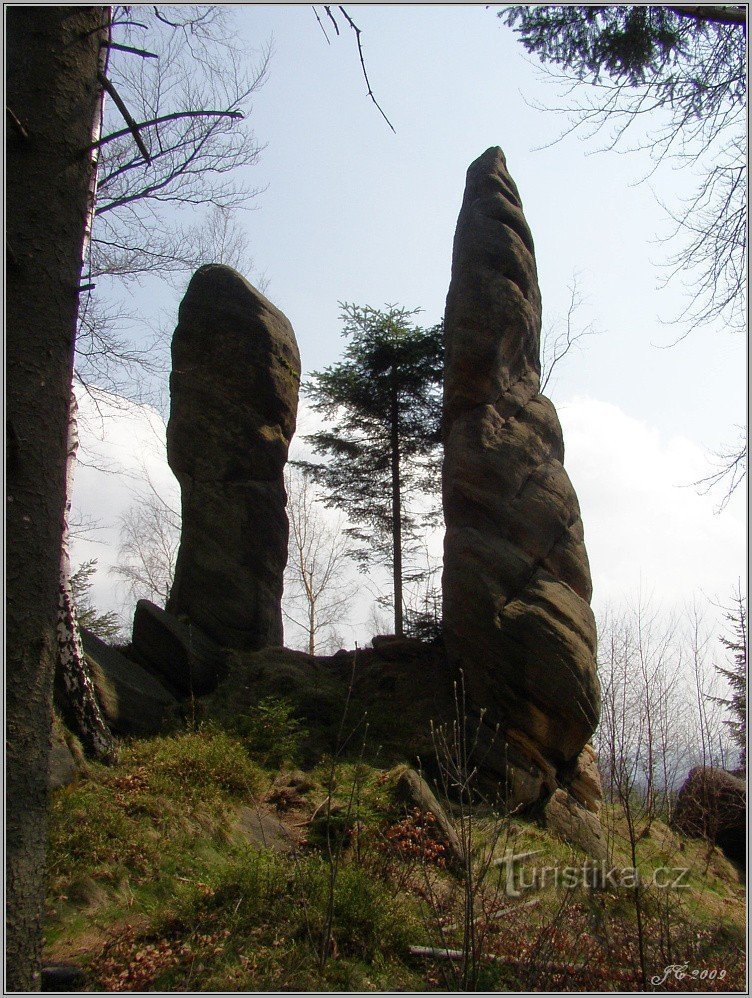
column 385, row 398
column 197, row 864
column 271, row 731
column 105, row 625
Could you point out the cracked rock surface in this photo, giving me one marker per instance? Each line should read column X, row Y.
column 233, row 405
column 516, row 581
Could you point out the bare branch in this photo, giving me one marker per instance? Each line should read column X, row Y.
column 321, row 25
column 717, row 13
column 356, row 29
column 556, row 346
column 731, row 468
column 129, row 48
column 120, row 104
column 332, row 18
column 177, row 116
column 20, row 129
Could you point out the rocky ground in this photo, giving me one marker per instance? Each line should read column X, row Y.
column 275, row 842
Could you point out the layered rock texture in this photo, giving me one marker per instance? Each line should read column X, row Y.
column 516, row 577
column 234, row 396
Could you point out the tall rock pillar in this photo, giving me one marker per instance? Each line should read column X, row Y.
column 516, row 580
column 234, row 398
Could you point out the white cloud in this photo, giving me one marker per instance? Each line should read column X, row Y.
column 122, row 448
column 644, row 528
column 645, row 525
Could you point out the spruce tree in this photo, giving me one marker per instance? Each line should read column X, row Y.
column 384, row 401
column 736, row 675
column 105, row 625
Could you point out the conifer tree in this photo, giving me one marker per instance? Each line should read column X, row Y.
column 736, row 675
column 384, row 400
column 105, row 625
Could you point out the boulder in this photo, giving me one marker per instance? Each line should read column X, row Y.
column 516, row 581
column 62, row 977
column 585, row 783
column 188, row 661
column 712, row 804
column 575, row 824
column 264, row 831
column 392, row 648
column 132, row 700
column 234, row 396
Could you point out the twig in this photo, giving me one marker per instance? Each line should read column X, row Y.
column 130, row 24
column 513, row 907
column 498, row 913
column 302, row 824
column 16, row 123
column 165, row 20
column 11, row 253
column 132, row 126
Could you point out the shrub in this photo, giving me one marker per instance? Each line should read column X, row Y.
column 271, row 731
column 198, row 761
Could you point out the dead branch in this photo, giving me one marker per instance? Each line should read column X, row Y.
column 132, row 126
column 129, row 48
column 718, row 14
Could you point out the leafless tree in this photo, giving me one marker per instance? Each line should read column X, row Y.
column 317, row 594
column 149, row 541
column 71, row 668
column 174, row 135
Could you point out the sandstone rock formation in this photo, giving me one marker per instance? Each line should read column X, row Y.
column 187, row 661
column 234, row 396
column 133, row 701
column 712, row 804
column 516, row 578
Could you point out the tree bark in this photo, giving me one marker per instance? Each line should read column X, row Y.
column 51, row 89
column 396, row 520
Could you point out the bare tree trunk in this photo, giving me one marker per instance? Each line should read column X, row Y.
column 311, row 621
column 80, row 694
column 396, row 522
column 51, row 94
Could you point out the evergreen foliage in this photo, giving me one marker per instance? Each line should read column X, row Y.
column 384, row 401
column 105, row 625
column 736, row 675
column 680, row 71
column 631, row 43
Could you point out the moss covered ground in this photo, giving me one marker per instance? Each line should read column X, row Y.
column 250, row 856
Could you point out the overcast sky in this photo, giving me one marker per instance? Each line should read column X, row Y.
column 352, row 212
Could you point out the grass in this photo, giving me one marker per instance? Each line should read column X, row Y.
column 153, row 886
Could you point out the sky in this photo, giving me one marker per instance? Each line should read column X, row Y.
column 352, row 212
